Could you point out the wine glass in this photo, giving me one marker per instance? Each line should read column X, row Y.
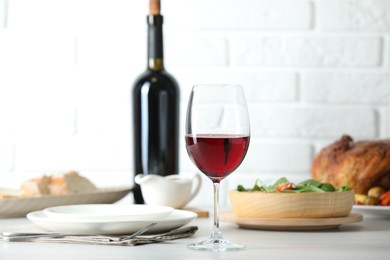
column 217, row 139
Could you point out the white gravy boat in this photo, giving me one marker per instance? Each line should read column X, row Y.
column 173, row 190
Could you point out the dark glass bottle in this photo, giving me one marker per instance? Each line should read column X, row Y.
column 155, row 99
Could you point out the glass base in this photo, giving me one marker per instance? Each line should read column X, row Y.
column 216, row 245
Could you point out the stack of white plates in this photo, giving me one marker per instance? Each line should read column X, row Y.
column 109, row 218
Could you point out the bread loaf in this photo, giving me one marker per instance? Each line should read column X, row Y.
column 361, row 164
column 63, row 184
column 35, row 187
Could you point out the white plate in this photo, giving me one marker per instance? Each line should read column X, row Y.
column 174, row 220
column 372, row 210
column 107, row 212
column 19, row 207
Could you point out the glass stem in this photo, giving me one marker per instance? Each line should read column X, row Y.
column 216, row 234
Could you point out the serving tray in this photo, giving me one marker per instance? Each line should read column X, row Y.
column 290, row 224
column 380, row 211
column 19, row 207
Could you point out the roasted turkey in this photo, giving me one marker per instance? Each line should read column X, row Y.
column 360, row 164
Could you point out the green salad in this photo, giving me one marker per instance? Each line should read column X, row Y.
column 284, row 185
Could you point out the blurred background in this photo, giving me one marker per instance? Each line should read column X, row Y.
column 312, row 70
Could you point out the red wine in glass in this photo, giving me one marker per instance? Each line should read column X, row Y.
column 217, row 155
column 217, row 135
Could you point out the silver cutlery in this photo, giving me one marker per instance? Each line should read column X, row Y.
column 138, row 233
column 30, row 235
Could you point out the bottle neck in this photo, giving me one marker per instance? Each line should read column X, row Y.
column 155, row 42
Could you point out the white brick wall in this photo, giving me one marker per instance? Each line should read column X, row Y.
column 363, row 15
column 312, row 71
column 307, row 51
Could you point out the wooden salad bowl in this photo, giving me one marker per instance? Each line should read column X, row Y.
column 259, row 204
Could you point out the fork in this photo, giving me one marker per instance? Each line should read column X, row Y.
column 139, row 232
column 27, row 235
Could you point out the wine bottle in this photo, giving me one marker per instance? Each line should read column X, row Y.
column 155, row 99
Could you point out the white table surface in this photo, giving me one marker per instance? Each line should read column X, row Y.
column 368, row 240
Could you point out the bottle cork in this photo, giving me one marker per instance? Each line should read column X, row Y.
column 154, row 7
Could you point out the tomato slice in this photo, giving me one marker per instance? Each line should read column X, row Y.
column 284, row 186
